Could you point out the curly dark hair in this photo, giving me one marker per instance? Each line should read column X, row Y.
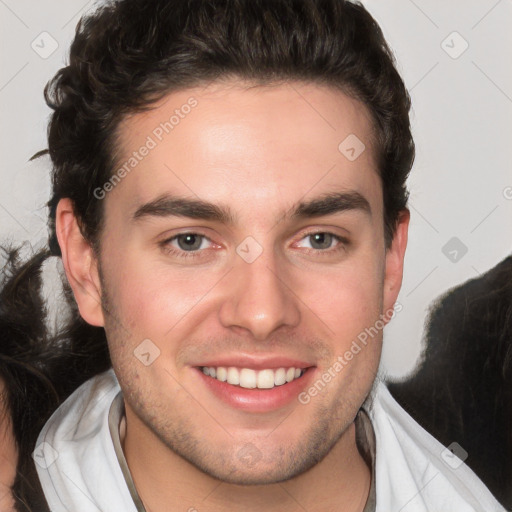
column 130, row 53
column 462, row 390
column 40, row 369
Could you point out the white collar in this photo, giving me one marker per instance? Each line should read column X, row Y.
column 80, row 471
column 365, row 438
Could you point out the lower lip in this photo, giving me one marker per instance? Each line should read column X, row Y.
column 257, row 400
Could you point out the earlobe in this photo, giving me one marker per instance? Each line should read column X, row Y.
column 395, row 261
column 80, row 264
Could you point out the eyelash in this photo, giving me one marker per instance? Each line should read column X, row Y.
column 169, row 249
column 342, row 245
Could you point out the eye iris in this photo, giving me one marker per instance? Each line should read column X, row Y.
column 321, row 240
column 189, row 242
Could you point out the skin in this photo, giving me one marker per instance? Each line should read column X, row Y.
column 8, row 454
column 258, row 151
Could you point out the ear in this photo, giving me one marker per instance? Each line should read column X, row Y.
column 80, row 264
column 395, row 262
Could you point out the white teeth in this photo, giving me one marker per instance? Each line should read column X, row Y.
column 222, row 374
column 280, row 377
column 233, row 376
column 247, row 378
column 250, row 379
column 265, row 379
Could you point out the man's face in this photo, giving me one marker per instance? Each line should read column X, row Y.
column 269, row 275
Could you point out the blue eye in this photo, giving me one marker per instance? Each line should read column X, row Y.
column 186, row 245
column 189, row 241
column 320, row 241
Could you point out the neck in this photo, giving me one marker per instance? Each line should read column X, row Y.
column 166, row 481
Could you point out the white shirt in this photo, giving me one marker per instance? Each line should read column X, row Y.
column 80, row 471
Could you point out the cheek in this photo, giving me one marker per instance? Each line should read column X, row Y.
column 347, row 299
column 152, row 298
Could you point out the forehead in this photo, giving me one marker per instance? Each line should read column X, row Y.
column 262, row 147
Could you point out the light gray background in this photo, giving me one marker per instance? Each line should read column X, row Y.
column 461, row 183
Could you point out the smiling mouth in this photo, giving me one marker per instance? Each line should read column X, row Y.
column 253, row 379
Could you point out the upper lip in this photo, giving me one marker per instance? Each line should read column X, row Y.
column 255, row 362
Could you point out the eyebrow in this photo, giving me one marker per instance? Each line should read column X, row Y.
column 327, row 204
column 168, row 206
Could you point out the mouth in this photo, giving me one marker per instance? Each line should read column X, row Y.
column 249, row 378
column 257, row 388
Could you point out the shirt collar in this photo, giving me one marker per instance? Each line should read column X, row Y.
column 365, row 440
column 116, row 424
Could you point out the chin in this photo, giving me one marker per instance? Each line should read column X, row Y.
column 249, row 466
column 261, row 475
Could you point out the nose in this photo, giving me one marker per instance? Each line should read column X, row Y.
column 258, row 299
